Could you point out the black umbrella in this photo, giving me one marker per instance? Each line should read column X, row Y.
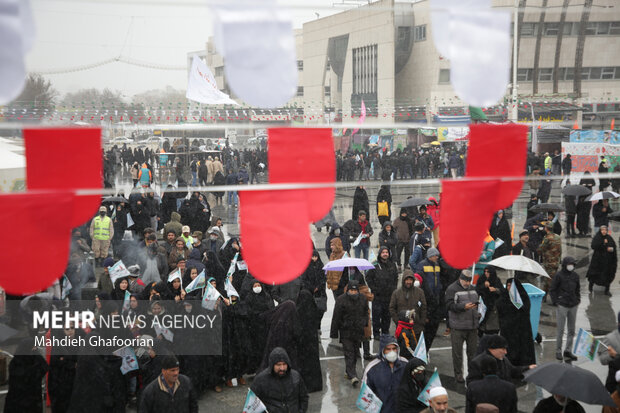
column 576, row 190
column 570, row 381
column 547, row 208
column 414, row 202
column 115, row 199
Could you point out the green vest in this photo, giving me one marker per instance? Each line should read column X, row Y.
column 101, row 230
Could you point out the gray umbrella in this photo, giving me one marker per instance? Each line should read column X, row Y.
column 115, row 199
column 570, row 381
column 413, row 202
column 576, row 190
column 547, row 208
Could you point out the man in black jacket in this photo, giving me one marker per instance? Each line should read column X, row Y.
column 171, row 392
column 565, row 293
column 496, row 347
column 280, row 388
column 382, row 280
column 491, row 389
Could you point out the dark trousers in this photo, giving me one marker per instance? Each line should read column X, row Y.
column 458, row 337
column 380, row 318
column 400, row 246
column 570, row 224
column 430, row 331
column 351, row 350
column 382, row 219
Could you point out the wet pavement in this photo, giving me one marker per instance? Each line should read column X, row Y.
column 596, row 313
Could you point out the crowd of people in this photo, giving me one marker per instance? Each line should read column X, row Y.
column 271, row 333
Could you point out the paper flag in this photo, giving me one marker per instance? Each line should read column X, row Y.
column 482, row 308
column 253, row 404
column 229, row 288
column 304, row 156
column 117, row 271
column 242, row 266
column 509, row 143
column 465, row 219
column 290, row 206
column 372, row 257
column 258, row 46
column 126, row 300
column 210, row 297
column 515, row 297
column 434, row 381
column 358, row 240
column 27, row 211
column 66, row 287
column 175, row 274
column 49, row 152
column 367, row 400
column 202, row 87
column 420, row 349
column 130, row 361
column 164, row 332
column 231, row 268
column 586, row 345
column 197, row 283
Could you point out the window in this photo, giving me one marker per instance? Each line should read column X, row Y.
column 404, row 38
column 524, row 75
column 569, row 74
column 300, row 90
column 607, row 73
column 219, row 71
column 419, row 33
column 545, row 75
column 591, row 28
column 328, row 67
column 444, row 76
column 300, row 65
column 327, row 91
column 595, row 73
column 585, row 73
column 365, row 63
column 617, row 75
column 528, row 29
column 614, row 28
column 551, row 29
column 602, row 28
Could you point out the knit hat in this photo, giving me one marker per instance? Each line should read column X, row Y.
column 497, row 341
column 108, row 262
column 362, row 212
column 432, row 252
column 169, row 362
column 418, row 277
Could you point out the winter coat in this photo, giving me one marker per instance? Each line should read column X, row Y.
column 410, row 388
column 284, row 331
column 491, row 318
column 309, row 365
column 257, row 304
column 403, row 227
column 501, row 230
column 549, row 405
column 174, row 224
column 417, row 255
column 219, row 180
column 354, row 228
column 515, row 326
column 98, row 378
column 360, row 203
column 349, row 318
column 412, row 298
column 383, row 279
column 384, row 379
column 344, row 239
column 431, row 284
column 551, row 250
column 505, row 369
column 388, row 239
column 600, row 217
column 157, row 399
column 611, row 339
column 287, row 291
column 286, row 394
column 493, row 390
column 26, row 372
column 565, row 287
column 602, row 270
column 457, row 297
column 570, row 204
column 333, row 277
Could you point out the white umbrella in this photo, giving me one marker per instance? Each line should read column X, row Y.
column 519, row 263
column 603, row 195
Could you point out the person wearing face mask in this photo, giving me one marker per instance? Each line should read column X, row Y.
column 609, row 356
column 383, row 375
column 101, row 232
column 348, row 322
column 411, row 385
column 602, row 270
column 213, row 242
column 565, row 294
column 410, row 297
column 257, row 302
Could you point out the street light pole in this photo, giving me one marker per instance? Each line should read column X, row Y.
column 514, row 110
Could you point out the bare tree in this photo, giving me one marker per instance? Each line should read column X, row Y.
column 38, row 93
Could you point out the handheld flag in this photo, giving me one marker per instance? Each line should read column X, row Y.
column 130, row 361
column 229, row 288
column 233, row 264
column 126, row 300
column 586, row 345
column 174, row 274
column 164, row 332
column 358, row 240
column 253, row 404
column 420, row 349
column 482, row 308
column 66, row 287
column 197, row 283
column 367, row 401
column 372, row 257
column 210, row 297
column 117, row 271
column 432, row 382
column 515, row 297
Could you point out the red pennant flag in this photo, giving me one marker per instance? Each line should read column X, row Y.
column 613, row 123
column 66, row 159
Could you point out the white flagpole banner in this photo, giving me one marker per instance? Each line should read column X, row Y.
column 130, row 361
column 368, row 401
column 202, row 88
column 432, row 382
column 253, row 404
column 117, row 271
column 197, row 283
column 420, row 349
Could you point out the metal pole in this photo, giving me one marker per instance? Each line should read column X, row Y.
column 514, row 112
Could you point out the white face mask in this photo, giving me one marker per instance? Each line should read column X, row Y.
column 337, row 232
column 391, row 356
column 416, row 283
column 257, row 290
column 570, row 267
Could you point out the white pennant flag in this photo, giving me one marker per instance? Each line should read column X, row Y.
column 130, row 361
column 197, row 283
column 358, row 240
column 368, row 401
column 420, row 349
column 253, row 404
column 210, row 297
column 126, row 300
column 515, row 297
column 229, row 288
column 202, row 88
column 233, row 264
